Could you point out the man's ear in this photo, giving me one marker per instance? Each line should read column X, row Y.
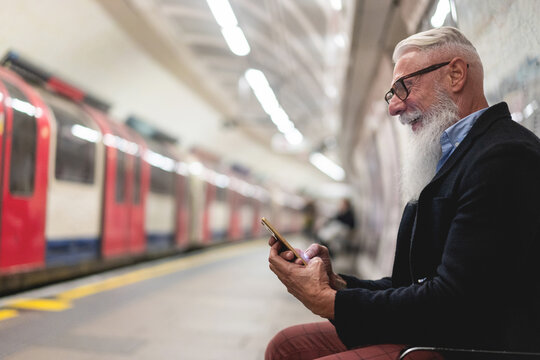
column 458, row 74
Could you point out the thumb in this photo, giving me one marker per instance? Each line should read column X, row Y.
column 315, row 262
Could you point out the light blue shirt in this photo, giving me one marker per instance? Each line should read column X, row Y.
column 454, row 135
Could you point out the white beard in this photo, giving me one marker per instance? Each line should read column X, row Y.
column 423, row 148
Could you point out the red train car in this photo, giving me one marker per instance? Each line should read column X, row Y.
column 81, row 192
column 24, row 163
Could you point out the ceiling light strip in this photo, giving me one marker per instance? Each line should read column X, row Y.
column 266, row 97
column 327, row 166
column 234, row 36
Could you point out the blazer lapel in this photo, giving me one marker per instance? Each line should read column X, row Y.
column 482, row 124
column 419, row 242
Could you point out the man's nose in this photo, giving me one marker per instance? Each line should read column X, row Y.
column 396, row 106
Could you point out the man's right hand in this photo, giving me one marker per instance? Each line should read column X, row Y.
column 318, row 250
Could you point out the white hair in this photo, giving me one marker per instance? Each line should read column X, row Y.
column 444, row 42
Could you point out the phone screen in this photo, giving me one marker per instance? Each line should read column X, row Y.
column 281, row 239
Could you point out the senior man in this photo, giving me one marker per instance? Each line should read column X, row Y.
column 465, row 271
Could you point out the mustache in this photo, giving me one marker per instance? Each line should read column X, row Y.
column 408, row 118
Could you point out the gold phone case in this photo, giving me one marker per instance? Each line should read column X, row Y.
column 280, row 238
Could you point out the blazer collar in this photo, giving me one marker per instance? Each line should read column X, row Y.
column 491, row 115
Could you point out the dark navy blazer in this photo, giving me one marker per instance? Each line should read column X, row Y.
column 466, row 271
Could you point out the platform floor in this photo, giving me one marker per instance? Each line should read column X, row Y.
column 221, row 303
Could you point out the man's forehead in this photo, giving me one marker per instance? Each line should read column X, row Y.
column 407, row 63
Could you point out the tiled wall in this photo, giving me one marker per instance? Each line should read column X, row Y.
column 506, row 34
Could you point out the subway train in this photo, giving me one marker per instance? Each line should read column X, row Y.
column 81, row 192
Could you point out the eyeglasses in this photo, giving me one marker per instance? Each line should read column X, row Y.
column 400, row 90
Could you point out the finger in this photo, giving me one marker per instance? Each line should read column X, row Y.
column 276, row 246
column 275, row 254
column 287, row 255
column 271, row 241
column 302, row 258
column 313, row 250
column 315, row 262
column 303, row 255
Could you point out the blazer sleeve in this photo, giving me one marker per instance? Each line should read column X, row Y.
column 353, row 282
column 490, row 242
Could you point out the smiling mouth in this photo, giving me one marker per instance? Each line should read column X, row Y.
column 411, row 118
column 414, row 121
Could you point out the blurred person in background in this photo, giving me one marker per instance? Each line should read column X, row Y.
column 465, row 272
column 310, row 216
column 337, row 232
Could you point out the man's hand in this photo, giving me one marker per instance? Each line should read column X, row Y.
column 314, row 250
column 310, row 284
column 336, row 281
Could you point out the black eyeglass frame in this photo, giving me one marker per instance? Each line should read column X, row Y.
column 390, row 94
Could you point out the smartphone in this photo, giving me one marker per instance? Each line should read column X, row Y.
column 281, row 239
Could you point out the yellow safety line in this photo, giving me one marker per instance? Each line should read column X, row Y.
column 41, row 304
column 158, row 270
column 8, row 314
column 63, row 300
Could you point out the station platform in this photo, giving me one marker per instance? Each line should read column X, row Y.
column 218, row 303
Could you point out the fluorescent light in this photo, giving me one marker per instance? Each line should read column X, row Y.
column 327, row 166
column 82, row 132
column 222, row 181
column 517, row 116
column 182, row 168
column 294, row 137
column 281, row 119
column 443, row 9
column 256, row 79
column 24, row 107
column 453, row 10
column 336, row 4
column 196, row 168
column 234, row 36
column 160, row 161
column 262, row 90
column 339, row 40
column 331, row 91
column 530, row 109
column 222, row 11
column 266, row 97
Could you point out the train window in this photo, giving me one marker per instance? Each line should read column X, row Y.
column 186, row 200
column 137, row 181
column 75, row 146
column 221, row 194
column 23, row 143
column 161, row 181
column 120, row 176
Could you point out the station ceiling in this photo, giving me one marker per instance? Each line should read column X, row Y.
column 318, row 57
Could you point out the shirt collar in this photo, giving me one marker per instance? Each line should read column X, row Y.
column 455, row 134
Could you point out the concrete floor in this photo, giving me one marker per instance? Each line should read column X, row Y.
column 223, row 303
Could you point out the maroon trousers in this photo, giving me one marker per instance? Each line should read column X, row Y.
column 320, row 341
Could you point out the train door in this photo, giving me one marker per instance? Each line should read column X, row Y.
column 116, row 203
column 235, row 226
column 257, row 227
column 116, row 215
column 247, row 215
column 75, row 189
column 209, row 196
column 161, row 201
column 137, row 193
column 182, row 212
column 24, row 154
